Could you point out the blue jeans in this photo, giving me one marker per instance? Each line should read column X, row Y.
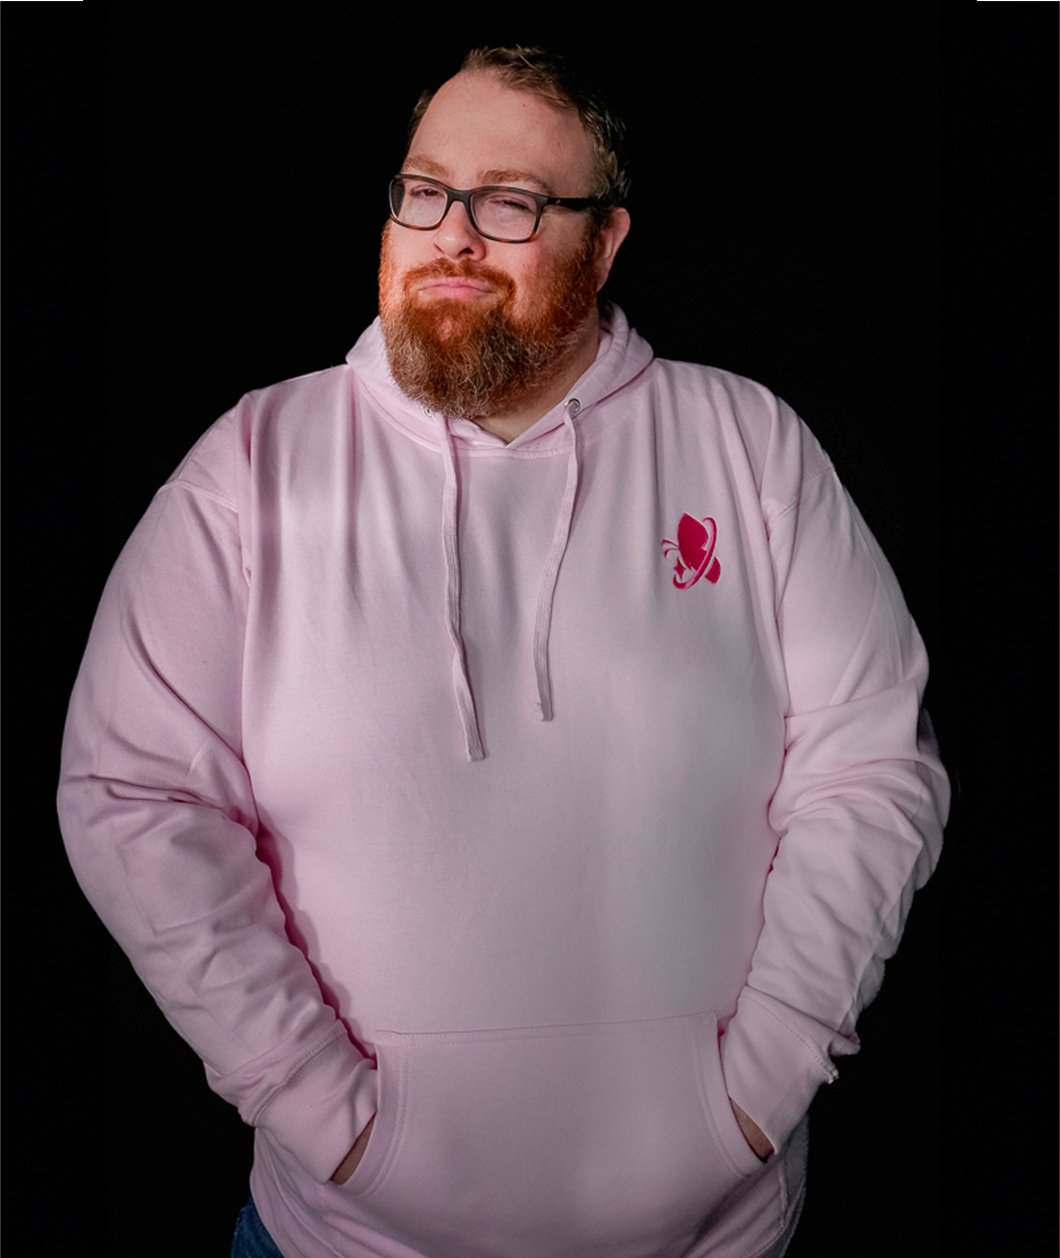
column 251, row 1239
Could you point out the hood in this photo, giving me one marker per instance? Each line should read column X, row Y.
column 621, row 357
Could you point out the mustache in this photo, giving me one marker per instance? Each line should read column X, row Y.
column 444, row 269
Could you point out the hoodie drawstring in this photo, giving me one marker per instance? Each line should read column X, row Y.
column 465, row 703
column 543, row 620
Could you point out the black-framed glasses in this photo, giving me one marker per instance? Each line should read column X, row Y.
column 508, row 215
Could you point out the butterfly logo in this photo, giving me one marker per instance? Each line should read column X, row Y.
column 695, row 551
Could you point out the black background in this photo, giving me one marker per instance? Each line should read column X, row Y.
column 848, row 208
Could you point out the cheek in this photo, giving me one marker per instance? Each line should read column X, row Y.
column 404, row 249
column 532, row 274
column 387, row 285
column 394, row 262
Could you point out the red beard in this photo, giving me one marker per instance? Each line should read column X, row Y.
column 478, row 360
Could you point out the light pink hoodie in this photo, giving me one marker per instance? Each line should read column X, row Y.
column 530, row 797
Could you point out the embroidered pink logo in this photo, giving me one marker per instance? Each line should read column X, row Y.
column 695, row 552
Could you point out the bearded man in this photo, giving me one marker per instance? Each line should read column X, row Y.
column 502, row 755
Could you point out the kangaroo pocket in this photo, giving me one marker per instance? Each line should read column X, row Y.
column 611, row 1139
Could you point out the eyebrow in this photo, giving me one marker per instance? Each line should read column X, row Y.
column 487, row 177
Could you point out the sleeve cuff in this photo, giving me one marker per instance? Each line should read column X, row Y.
column 774, row 1059
column 324, row 1107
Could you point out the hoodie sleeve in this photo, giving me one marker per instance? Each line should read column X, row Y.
column 862, row 796
column 158, row 816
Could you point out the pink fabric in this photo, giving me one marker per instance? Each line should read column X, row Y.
column 544, row 969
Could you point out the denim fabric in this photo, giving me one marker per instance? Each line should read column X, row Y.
column 251, row 1239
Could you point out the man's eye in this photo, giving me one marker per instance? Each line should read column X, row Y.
column 510, row 203
column 422, row 192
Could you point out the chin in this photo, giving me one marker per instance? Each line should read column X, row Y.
column 480, row 359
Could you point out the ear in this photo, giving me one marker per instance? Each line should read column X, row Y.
column 608, row 243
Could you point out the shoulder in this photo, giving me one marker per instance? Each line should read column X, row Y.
column 263, row 429
column 750, row 422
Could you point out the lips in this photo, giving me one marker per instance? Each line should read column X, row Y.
column 435, row 281
column 456, row 286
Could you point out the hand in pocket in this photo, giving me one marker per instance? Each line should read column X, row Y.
column 352, row 1159
column 752, row 1133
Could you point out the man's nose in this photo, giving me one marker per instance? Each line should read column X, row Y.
column 456, row 237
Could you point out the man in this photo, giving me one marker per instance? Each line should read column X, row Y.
column 501, row 755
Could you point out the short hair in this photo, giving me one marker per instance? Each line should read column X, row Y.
column 550, row 76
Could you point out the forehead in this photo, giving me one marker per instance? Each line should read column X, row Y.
column 478, row 131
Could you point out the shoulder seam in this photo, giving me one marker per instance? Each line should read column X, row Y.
column 771, row 520
column 199, row 490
